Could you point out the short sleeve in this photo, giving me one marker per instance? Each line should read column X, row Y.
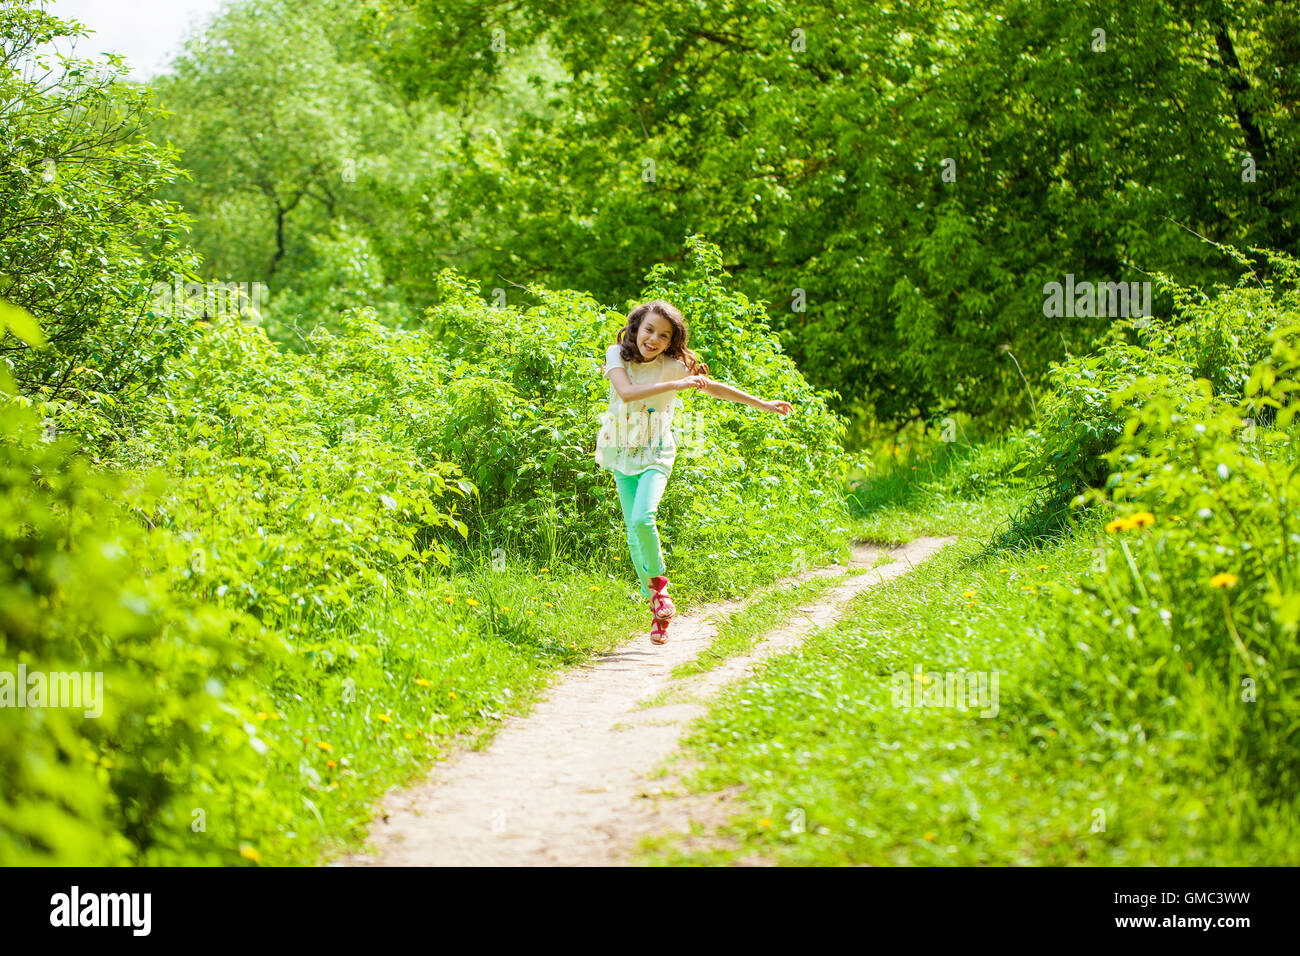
column 676, row 369
column 614, row 359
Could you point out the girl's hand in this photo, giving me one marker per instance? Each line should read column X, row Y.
column 778, row 408
column 693, row 381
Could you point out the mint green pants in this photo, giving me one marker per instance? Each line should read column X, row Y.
column 639, row 495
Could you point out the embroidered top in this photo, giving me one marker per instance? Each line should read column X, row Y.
column 638, row 435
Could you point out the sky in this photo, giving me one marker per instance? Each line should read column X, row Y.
column 147, row 32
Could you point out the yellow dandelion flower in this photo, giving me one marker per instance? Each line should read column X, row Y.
column 549, row 604
column 450, row 600
column 324, row 746
column 471, row 602
column 408, row 735
column 331, row 764
column 262, row 715
column 968, row 594
column 1004, row 570
column 930, row 836
column 1028, row 588
column 1143, row 519
column 247, row 852
column 1041, row 567
column 593, row 588
column 1120, row 524
column 422, row 682
column 530, row 613
column 1224, row 580
column 452, row 695
column 1175, row 517
column 506, row 610
column 385, row 718
column 765, row 823
column 544, row 570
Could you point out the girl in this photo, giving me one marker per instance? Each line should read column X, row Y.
column 648, row 365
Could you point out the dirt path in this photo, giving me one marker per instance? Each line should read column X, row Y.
column 569, row 784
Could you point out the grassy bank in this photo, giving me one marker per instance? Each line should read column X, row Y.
column 1086, row 759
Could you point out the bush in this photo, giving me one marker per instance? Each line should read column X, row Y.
column 522, row 414
column 87, row 235
column 304, row 483
column 1214, row 581
column 175, row 735
column 1082, row 415
column 346, row 273
column 1218, row 339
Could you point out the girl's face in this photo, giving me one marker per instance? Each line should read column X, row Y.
column 654, row 335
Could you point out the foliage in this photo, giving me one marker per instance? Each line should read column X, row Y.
column 83, row 232
column 273, row 541
column 275, row 130
column 1217, row 573
column 347, row 273
column 852, row 164
column 1218, row 339
column 1147, row 662
column 302, row 479
column 310, row 173
column 523, row 408
column 174, row 735
column 1083, row 416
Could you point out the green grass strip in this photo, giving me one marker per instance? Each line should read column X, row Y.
column 839, row 768
column 742, row 629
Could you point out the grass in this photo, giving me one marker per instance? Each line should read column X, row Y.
column 938, row 489
column 406, row 682
column 740, row 630
column 479, row 662
column 839, row 769
column 1094, row 755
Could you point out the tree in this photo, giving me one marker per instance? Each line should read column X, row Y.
column 83, row 233
column 274, row 129
column 910, row 177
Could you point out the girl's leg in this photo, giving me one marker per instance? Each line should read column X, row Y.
column 627, row 497
column 642, row 528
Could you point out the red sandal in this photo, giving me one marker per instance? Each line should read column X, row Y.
column 661, row 605
column 659, row 631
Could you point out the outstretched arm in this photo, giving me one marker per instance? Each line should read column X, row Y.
column 733, row 394
column 630, row 393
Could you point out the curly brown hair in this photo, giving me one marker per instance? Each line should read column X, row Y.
column 677, row 347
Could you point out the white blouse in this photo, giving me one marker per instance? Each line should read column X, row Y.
column 638, row 435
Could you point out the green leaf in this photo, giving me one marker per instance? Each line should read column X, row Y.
column 21, row 323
